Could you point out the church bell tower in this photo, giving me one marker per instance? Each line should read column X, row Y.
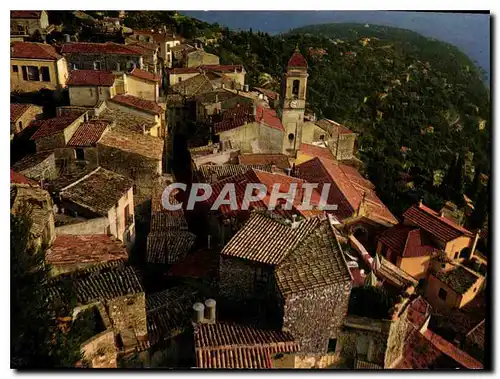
column 293, row 102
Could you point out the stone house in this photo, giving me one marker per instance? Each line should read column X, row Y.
column 103, row 193
column 25, row 23
column 55, row 133
column 165, row 41
column 271, row 97
column 279, row 162
column 251, row 129
column 235, row 72
column 38, row 166
column 146, row 109
column 339, row 139
column 199, row 58
column 89, row 87
column 82, row 147
column 21, row 116
column 359, row 210
column 149, row 52
column 36, row 66
column 306, row 280
column 70, row 253
column 136, row 156
column 179, row 74
column 423, row 232
column 209, row 104
column 179, row 53
column 24, row 194
column 453, row 286
column 143, row 84
column 101, row 56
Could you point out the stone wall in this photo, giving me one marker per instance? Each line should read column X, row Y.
column 122, row 108
column 315, row 316
column 89, row 154
column 349, row 339
column 129, row 312
column 198, row 58
column 109, row 62
column 316, row 361
column 342, row 146
column 50, row 142
column 93, row 226
column 100, row 350
column 398, row 333
column 44, row 170
column 270, row 140
column 34, row 112
column 145, row 89
column 89, row 96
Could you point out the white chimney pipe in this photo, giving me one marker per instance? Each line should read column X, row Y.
column 210, row 315
column 198, row 315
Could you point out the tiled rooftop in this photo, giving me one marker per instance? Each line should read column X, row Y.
column 33, row 50
column 316, row 151
column 459, row 279
column 430, row 221
column 147, row 146
column 315, row 262
column 91, row 78
column 141, row 74
column 91, row 248
column 17, row 178
column 394, row 275
column 271, row 95
column 278, row 160
column 263, row 239
column 97, row 48
column 194, row 86
column 297, row 60
column 168, row 247
column 138, row 103
column 407, row 241
column 88, row 133
column 215, row 173
column 333, row 127
column 51, row 126
column 228, row 346
column 31, row 160
column 17, row 110
column 126, row 121
column 99, row 191
column 165, row 221
column 350, row 188
column 25, row 14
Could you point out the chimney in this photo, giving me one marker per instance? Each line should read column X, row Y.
column 245, row 87
column 476, row 238
column 216, row 97
column 295, row 223
column 441, row 214
column 421, row 202
column 254, row 111
column 425, row 325
column 210, row 311
column 223, row 86
column 198, row 314
column 67, row 38
column 288, row 171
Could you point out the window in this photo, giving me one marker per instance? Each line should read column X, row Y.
column 179, row 80
column 91, row 90
column 322, row 137
column 45, row 74
column 295, row 87
column 31, row 73
column 332, row 345
column 117, row 66
column 15, row 68
column 100, row 90
column 79, row 154
column 456, row 255
column 97, row 65
column 291, row 137
column 442, row 294
column 20, row 125
column 127, row 213
column 465, row 253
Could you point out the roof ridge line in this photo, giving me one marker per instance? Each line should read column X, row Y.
column 82, row 178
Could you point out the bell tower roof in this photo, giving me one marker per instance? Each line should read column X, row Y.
column 297, row 60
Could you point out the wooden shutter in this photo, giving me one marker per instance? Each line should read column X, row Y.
column 25, row 72
column 45, row 74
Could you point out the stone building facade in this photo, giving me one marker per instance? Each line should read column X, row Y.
column 199, row 57
column 21, row 115
column 39, row 166
column 26, row 23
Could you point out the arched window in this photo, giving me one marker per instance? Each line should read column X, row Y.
column 295, row 87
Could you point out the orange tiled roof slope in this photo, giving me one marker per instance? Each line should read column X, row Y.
column 51, row 126
column 407, row 241
column 430, row 221
column 138, row 103
column 145, row 75
column 92, row 248
column 33, row 50
column 297, row 60
column 17, row 178
column 17, row 110
column 279, row 160
column 223, row 345
column 97, row 48
column 135, row 143
column 91, row 78
column 25, row 14
column 316, row 151
column 88, row 133
column 348, row 187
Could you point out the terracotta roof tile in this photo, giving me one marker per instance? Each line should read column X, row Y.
column 333, row 127
column 297, row 60
column 147, row 146
column 418, row 353
column 316, row 151
column 99, row 191
column 256, row 240
column 459, row 279
column 215, row 173
column 278, row 160
column 477, row 335
column 184, row 70
column 418, row 311
column 33, row 50
column 363, row 365
column 223, row 345
column 91, row 248
column 224, row 68
column 17, row 110
column 26, row 14
column 51, row 126
column 88, row 133
column 270, row 94
column 97, row 48
column 202, row 264
column 268, row 116
column 31, row 160
column 91, row 78
column 138, row 103
column 145, row 75
column 430, row 221
column 168, row 247
column 193, row 86
column 392, row 274
column 407, row 241
column 127, row 122
column 315, row 262
column 17, row 178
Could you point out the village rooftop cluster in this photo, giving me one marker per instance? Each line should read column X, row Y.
column 256, row 282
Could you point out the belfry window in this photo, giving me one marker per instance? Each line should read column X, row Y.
column 295, row 88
